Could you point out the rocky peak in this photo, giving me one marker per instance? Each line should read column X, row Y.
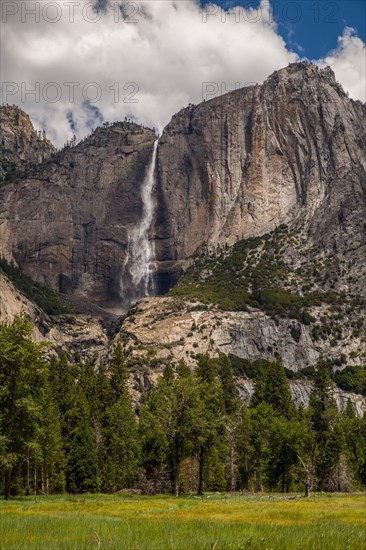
column 20, row 144
column 291, row 151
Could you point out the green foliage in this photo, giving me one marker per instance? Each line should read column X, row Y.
column 271, row 387
column 122, row 446
column 13, row 171
column 253, row 274
column 328, row 436
column 322, row 406
column 22, row 374
column 248, row 368
column 81, row 468
column 351, row 378
column 74, row 426
column 44, row 297
column 177, row 409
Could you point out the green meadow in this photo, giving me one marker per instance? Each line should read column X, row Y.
column 215, row 522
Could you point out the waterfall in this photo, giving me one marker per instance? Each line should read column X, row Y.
column 137, row 268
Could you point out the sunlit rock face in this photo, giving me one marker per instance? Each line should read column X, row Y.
column 290, row 151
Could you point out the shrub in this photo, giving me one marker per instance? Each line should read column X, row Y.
column 351, row 378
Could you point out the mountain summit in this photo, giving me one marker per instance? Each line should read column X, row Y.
column 291, row 151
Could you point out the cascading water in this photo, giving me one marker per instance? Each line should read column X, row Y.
column 137, row 268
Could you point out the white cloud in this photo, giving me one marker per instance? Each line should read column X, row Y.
column 348, row 62
column 168, row 52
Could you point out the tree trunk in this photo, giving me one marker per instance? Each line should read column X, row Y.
column 258, row 487
column 200, row 471
column 42, row 479
column 308, row 481
column 176, row 476
column 28, row 474
column 232, row 462
column 7, row 484
column 35, row 479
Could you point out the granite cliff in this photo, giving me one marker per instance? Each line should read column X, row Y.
column 290, row 151
column 67, row 224
column 21, row 146
column 288, row 154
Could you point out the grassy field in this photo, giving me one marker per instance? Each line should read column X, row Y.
column 158, row 523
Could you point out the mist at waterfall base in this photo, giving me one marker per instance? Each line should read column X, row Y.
column 137, row 274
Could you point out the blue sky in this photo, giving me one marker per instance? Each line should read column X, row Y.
column 311, row 27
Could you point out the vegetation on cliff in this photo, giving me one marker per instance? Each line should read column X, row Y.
column 255, row 274
column 44, row 297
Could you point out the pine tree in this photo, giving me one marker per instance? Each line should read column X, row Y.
column 210, row 432
column 322, row 406
column 119, row 373
column 271, row 387
column 226, row 375
column 64, row 391
column 81, row 469
column 261, row 429
column 22, row 374
column 174, row 414
column 285, row 447
column 323, row 416
column 354, row 440
column 50, row 440
column 122, row 445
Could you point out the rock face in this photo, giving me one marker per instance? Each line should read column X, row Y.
column 187, row 328
column 81, row 335
column 178, row 330
column 20, row 145
column 67, row 225
column 172, row 328
column 290, row 151
column 301, row 390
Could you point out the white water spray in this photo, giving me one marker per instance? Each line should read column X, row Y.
column 140, row 253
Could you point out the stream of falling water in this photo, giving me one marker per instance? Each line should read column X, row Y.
column 140, row 252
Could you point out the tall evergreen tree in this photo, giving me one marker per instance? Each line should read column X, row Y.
column 354, row 440
column 64, row 391
column 271, row 387
column 22, row 374
column 119, row 372
column 261, row 430
column 229, row 386
column 51, row 476
column 176, row 408
column 122, row 445
column 121, row 432
column 210, row 432
column 323, row 416
column 81, row 469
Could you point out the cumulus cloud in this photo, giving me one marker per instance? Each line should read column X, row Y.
column 104, row 60
column 348, row 62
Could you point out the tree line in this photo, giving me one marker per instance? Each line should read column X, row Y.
column 74, row 427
